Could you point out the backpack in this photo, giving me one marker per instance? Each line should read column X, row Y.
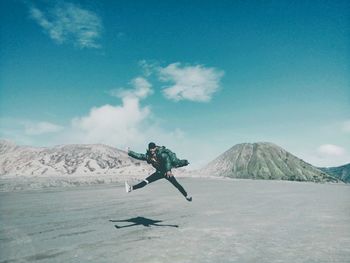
column 172, row 156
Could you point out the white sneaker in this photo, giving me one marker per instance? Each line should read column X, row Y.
column 128, row 188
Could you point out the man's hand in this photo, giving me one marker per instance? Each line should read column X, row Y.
column 168, row 174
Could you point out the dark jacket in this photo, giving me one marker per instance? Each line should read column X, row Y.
column 163, row 161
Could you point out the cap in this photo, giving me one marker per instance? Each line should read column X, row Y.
column 151, row 145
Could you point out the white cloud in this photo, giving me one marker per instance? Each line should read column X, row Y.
column 38, row 128
column 195, row 83
column 70, row 23
column 329, row 150
column 118, row 125
column 142, row 89
column 148, row 67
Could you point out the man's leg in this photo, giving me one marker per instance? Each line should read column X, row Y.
column 150, row 179
column 175, row 183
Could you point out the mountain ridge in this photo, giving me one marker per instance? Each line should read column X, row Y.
column 72, row 159
column 260, row 160
column 342, row 172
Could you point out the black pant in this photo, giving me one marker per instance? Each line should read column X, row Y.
column 160, row 175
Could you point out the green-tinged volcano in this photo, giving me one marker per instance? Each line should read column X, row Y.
column 264, row 161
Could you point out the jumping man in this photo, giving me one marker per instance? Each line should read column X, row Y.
column 163, row 160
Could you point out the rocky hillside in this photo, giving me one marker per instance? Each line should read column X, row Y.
column 263, row 161
column 341, row 172
column 66, row 160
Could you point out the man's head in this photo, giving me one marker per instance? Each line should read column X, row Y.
column 152, row 147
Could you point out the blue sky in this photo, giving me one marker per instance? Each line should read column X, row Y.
column 197, row 76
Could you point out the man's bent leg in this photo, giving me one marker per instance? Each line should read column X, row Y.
column 150, row 179
column 175, row 183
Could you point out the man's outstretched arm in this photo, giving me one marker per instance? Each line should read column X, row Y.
column 139, row 156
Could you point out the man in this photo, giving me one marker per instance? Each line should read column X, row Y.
column 163, row 160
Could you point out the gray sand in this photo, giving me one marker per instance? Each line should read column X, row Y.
column 228, row 221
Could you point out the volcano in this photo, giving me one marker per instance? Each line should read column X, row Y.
column 264, row 160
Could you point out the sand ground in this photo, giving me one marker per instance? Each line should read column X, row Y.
column 228, row 221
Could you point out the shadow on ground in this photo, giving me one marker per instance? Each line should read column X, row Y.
column 138, row 221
